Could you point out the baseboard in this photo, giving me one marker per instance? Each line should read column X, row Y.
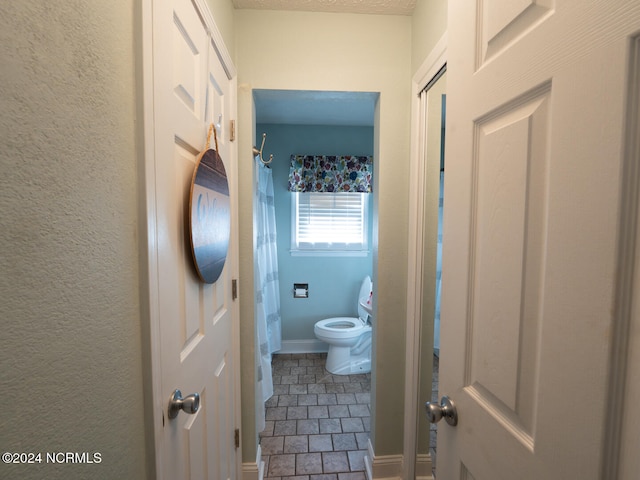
column 383, row 467
column 424, row 467
column 303, row 346
column 254, row 470
column 368, row 461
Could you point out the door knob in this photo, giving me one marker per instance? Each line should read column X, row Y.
column 446, row 410
column 189, row 404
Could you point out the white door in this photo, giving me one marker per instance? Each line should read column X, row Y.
column 536, row 108
column 196, row 320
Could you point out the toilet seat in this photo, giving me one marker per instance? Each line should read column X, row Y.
column 341, row 327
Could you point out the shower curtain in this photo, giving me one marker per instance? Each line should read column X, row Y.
column 436, row 325
column 268, row 324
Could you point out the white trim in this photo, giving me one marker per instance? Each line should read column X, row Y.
column 148, row 225
column 623, row 341
column 329, row 253
column 424, row 467
column 368, row 460
column 216, row 38
column 303, row 346
column 383, row 467
column 235, row 236
column 253, row 470
column 433, row 63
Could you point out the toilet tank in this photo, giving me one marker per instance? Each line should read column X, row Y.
column 365, row 291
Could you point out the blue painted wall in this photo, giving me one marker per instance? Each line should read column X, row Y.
column 334, row 282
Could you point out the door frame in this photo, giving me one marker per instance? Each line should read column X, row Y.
column 621, row 428
column 154, row 401
column 436, row 59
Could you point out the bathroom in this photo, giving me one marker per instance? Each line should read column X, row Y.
column 333, row 276
column 315, row 285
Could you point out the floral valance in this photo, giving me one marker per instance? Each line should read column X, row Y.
column 349, row 173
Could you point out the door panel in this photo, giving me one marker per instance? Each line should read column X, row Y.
column 465, row 474
column 536, row 110
column 508, row 254
column 191, row 91
column 501, row 22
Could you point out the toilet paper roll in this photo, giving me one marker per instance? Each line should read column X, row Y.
column 300, row 292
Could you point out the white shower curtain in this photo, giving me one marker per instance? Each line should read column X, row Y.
column 436, row 325
column 268, row 324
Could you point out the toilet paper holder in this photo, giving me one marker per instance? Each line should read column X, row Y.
column 300, row 290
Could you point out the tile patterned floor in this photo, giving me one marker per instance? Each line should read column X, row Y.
column 317, row 424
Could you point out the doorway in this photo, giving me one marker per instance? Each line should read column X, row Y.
column 321, row 420
column 433, row 113
column 427, row 173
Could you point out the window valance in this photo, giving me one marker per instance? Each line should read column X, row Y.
column 315, row 173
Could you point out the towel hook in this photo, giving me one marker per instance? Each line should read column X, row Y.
column 259, row 152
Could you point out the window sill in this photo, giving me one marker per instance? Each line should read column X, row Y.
column 329, row 253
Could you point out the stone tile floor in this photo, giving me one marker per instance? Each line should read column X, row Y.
column 317, row 424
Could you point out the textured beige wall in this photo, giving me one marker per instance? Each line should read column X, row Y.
column 70, row 350
column 223, row 16
column 344, row 52
column 429, row 22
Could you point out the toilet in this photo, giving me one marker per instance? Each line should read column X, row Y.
column 349, row 338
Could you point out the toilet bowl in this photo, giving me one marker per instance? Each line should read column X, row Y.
column 349, row 338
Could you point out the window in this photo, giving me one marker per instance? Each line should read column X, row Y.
column 329, row 223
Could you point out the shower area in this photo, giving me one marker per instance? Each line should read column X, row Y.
column 436, row 317
column 267, row 294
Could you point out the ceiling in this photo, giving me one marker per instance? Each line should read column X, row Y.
column 377, row 7
column 306, row 107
